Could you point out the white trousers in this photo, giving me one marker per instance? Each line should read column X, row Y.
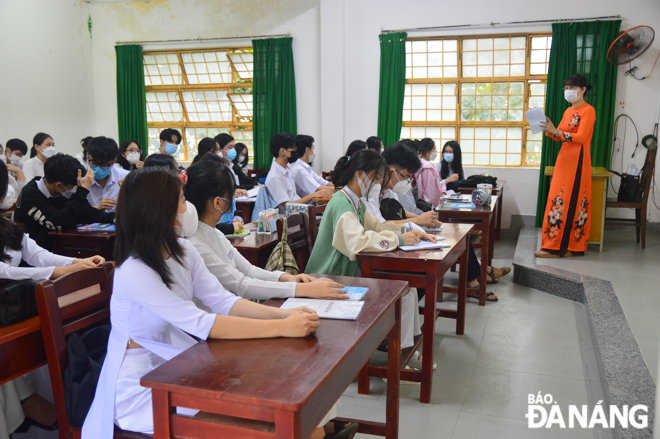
column 11, row 411
column 410, row 325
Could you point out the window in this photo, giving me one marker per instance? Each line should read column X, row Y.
column 476, row 89
column 201, row 93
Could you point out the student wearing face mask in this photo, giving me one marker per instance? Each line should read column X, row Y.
column 450, row 167
column 307, row 181
column 229, row 153
column 58, row 201
column 348, row 228
column 429, row 185
column 567, row 219
column 101, row 155
column 279, row 181
column 242, row 157
column 130, row 156
column 84, row 144
column 222, row 147
column 170, row 139
column 15, row 150
column 43, row 147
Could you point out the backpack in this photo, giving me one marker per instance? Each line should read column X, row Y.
column 282, row 259
column 392, row 210
column 472, row 182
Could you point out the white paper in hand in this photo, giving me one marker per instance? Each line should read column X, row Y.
column 328, row 309
column 534, row 118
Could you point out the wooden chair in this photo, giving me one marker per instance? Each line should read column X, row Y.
column 327, row 175
column 253, row 172
column 640, row 206
column 314, row 219
column 299, row 239
column 61, row 317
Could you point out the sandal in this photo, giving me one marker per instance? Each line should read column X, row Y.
column 505, row 271
column 491, row 274
column 490, row 296
column 342, row 430
column 544, row 254
column 416, row 362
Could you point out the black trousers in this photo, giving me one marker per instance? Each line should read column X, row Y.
column 474, row 267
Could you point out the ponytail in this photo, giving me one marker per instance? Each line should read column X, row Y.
column 33, row 152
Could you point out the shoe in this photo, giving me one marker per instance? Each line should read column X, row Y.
column 342, row 430
column 416, row 362
column 29, row 422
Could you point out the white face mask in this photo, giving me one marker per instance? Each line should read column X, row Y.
column 433, row 156
column 571, row 96
column 187, row 221
column 133, row 157
column 14, row 160
column 241, row 159
column 402, row 187
column 369, row 190
column 312, row 157
column 8, row 201
column 49, row 152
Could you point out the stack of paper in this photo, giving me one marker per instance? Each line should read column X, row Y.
column 534, row 118
column 355, row 293
column 328, row 309
column 424, row 245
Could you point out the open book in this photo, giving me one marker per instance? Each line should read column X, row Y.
column 328, row 309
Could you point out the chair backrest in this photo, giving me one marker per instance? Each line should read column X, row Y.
column 327, row 175
column 70, row 304
column 299, row 240
column 253, row 172
column 649, row 163
column 314, row 219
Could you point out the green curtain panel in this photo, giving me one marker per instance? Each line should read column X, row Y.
column 392, row 86
column 131, row 99
column 580, row 48
column 274, row 95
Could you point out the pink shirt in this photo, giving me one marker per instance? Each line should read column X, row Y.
column 429, row 185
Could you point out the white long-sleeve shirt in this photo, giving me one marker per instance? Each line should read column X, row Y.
column 234, row 272
column 43, row 262
column 33, row 168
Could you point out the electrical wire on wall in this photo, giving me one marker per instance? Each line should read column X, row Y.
column 622, row 142
column 653, row 136
column 633, row 69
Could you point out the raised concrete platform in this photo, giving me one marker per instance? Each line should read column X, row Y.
column 624, row 375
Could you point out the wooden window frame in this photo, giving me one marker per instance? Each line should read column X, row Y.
column 230, row 88
column 459, row 80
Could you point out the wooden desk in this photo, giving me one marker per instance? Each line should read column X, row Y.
column 256, row 248
column 599, row 176
column 22, row 345
column 77, row 244
column 279, row 388
column 499, row 191
column 244, row 210
column 483, row 218
column 422, row 269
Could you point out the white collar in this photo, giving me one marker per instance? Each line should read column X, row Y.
column 41, row 184
column 303, row 163
column 280, row 168
column 351, row 194
column 205, row 229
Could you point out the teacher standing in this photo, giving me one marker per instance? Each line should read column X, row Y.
column 567, row 220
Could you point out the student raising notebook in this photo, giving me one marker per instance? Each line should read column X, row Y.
column 347, row 228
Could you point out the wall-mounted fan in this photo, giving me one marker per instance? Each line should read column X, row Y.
column 630, row 44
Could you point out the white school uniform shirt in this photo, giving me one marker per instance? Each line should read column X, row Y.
column 307, row 181
column 111, row 189
column 42, row 261
column 373, row 205
column 33, row 168
column 158, row 318
column 280, row 184
column 234, row 272
column 231, row 169
column 438, row 167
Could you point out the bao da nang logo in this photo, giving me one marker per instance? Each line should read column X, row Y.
column 544, row 412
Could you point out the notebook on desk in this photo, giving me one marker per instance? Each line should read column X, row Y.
column 328, row 309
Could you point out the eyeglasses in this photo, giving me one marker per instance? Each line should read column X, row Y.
column 408, row 179
column 132, row 150
column 103, row 166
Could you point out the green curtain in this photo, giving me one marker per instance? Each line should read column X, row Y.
column 131, row 99
column 274, row 95
column 392, row 86
column 580, row 48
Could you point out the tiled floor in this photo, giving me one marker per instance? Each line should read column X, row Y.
column 527, row 342
column 635, row 276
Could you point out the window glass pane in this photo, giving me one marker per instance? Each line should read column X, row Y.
column 161, row 69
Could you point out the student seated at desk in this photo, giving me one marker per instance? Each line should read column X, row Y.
column 450, row 167
column 210, row 188
column 101, row 155
column 58, row 201
column 229, row 153
column 157, row 277
column 20, row 406
column 307, row 181
column 279, row 181
column 129, row 156
column 429, row 186
column 43, row 147
column 375, row 143
column 15, row 150
column 170, row 139
column 347, row 228
column 82, row 156
column 242, row 159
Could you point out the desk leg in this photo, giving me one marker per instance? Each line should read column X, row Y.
column 363, row 375
column 163, row 413
column 287, row 425
column 491, row 234
column 500, row 205
column 485, row 255
column 428, row 329
column 393, row 362
column 462, row 291
column 602, row 215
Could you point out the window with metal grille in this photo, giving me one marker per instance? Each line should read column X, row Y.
column 476, row 89
column 201, row 93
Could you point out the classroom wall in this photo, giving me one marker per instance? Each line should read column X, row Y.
column 46, row 73
column 356, row 58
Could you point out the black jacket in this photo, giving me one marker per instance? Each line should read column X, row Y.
column 244, row 182
column 41, row 215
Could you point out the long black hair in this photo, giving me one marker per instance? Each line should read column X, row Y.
column 38, row 139
column 456, row 164
column 11, row 236
column 122, row 149
column 145, row 223
column 355, row 146
column 425, row 145
column 239, row 149
column 208, row 178
column 365, row 160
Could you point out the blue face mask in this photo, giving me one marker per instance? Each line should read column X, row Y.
column 448, row 157
column 227, row 217
column 100, row 173
column 231, row 154
column 171, row 148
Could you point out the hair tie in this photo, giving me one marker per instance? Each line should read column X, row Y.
column 183, row 175
column 348, row 158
